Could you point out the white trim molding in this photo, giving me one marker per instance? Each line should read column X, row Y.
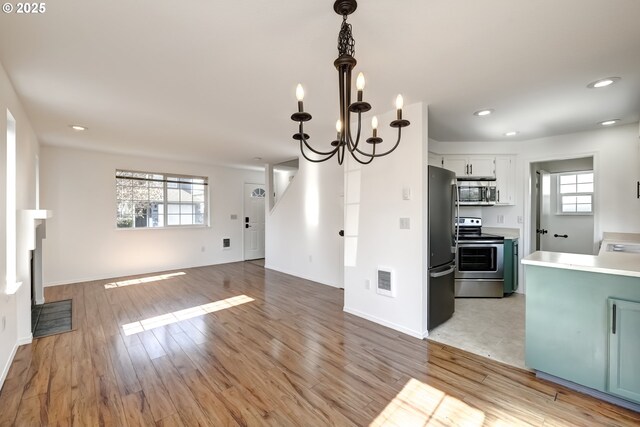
column 410, row 332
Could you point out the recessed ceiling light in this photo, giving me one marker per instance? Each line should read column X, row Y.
column 609, row 122
column 78, row 127
column 481, row 113
column 603, row 82
column 257, row 158
column 512, row 133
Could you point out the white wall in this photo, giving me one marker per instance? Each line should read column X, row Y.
column 616, row 152
column 83, row 242
column 15, row 309
column 302, row 228
column 281, row 181
column 374, row 207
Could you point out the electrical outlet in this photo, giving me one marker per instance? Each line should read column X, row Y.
column 202, row 249
column 310, row 258
column 4, row 323
column 520, row 220
column 367, row 284
column 500, row 219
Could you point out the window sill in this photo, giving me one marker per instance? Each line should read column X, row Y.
column 174, row 227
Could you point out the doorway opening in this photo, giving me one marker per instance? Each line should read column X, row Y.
column 563, row 205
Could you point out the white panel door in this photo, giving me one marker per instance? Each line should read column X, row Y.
column 254, row 196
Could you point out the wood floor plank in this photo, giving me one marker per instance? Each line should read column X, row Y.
column 59, row 392
column 181, row 396
column 137, row 411
column 144, row 351
column 40, row 368
column 153, row 388
column 13, row 388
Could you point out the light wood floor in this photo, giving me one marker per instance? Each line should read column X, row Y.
column 256, row 348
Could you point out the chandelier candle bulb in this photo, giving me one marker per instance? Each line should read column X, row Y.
column 374, row 125
column 399, row 105
column 339, row 128
column 360, row 83
column 300, row 97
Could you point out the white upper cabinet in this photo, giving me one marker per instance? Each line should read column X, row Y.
column 505, row 180
column 435, row 160
column 457, row 164
column 469, row 167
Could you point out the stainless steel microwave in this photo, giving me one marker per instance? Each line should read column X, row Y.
column 477, row 193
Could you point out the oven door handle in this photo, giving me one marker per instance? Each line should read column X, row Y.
column 464, row 242
column 443, row 273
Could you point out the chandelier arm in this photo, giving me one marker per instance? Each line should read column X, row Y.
column 370, row 156
column 354, row 145
column 321, row 153
column 386, row 152
column 340, row 154
column 314, row 160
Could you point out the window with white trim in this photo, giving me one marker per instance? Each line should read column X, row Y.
column 152, row 200
column 575, row 193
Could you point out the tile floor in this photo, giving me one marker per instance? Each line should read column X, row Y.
column 490, row 327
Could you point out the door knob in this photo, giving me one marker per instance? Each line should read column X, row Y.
column 246, row 219
column 247, row 226
column 341, row 233
column 561, row 235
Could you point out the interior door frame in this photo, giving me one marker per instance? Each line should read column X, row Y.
column 244, row 211
column 529, row 244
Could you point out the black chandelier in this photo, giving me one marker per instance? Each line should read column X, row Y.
column 345, row 64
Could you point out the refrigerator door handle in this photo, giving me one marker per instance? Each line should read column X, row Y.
column 457, row 217
column 443, row 273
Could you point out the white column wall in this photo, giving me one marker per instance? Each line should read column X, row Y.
column 302, row 228
column 375, row 204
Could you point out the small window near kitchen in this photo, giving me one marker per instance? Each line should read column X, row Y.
column 575, row 193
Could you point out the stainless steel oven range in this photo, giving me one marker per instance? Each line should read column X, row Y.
column 480, row 261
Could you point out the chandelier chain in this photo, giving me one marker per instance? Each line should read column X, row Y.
column 346, row 43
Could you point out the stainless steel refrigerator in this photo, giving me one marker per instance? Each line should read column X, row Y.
column 442, row 246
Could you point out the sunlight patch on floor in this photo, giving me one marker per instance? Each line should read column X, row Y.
column 143, row 280
column 419, row 404
column 187, row 313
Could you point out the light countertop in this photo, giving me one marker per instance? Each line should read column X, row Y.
column 622, row 264
column 507, row 233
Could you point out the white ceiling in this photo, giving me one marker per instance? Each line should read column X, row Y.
column 214, row 81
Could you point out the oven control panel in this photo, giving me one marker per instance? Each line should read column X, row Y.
column 469, row 222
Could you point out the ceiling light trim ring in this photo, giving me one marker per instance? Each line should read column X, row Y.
column 599, row 84
column 484, row 112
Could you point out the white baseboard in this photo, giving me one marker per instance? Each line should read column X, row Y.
column 115, row 275
column 386, row 323
column 5, row 369
column 302, row 276
column 40, row 301
column 25, row 340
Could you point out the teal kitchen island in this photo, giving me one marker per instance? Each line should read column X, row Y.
column 583, row 322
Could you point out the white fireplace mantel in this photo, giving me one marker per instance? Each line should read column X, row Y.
column 35, row 227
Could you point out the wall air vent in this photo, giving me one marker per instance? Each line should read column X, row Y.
column 385, row 282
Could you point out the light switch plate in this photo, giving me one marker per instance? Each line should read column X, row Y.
column 405, row 223
column 406, row 193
